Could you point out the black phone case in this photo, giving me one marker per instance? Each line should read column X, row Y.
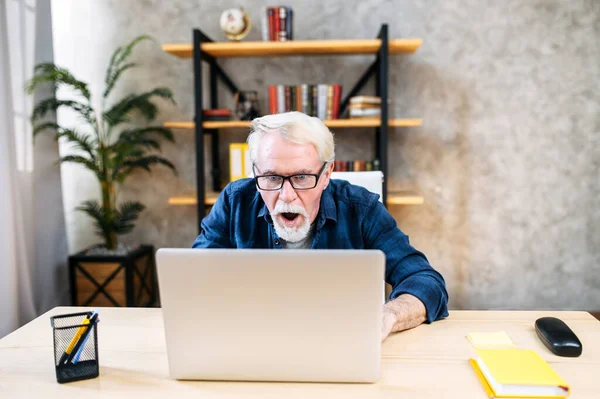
column 558, row 337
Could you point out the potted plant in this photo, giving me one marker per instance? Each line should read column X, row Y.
column 108, row 274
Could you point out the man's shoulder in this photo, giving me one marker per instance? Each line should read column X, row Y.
column 242, row 189
column 352, row 194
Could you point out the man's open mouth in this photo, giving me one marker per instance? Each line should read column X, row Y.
column 289, row 215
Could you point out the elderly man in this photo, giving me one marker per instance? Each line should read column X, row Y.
column 292, row 203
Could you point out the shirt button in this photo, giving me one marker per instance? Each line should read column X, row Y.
column 276, row 241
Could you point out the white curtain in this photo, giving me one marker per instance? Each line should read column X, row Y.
column 33, row 247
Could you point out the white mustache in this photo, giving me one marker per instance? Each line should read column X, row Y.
column 283, row 207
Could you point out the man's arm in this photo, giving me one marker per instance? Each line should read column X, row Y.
column 402, row 313
column 215, row 226
column 418, row 291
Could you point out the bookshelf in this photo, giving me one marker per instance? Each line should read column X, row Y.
column 203, row 49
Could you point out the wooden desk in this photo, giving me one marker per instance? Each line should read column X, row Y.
column 427, row 362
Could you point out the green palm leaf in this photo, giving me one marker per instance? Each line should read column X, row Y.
column 145, row 162
column 80, row 141
column 88, row 163
column 115, row 69
column 160, row 131
column 110, row 84
column 125, row 215
column 140, row 102
column 96, row 212
column 46, row 126
column 50, row 73
column 52, row 104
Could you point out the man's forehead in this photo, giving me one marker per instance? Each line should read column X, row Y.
column 281, row 155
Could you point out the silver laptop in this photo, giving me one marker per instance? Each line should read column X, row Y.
column 272, row 315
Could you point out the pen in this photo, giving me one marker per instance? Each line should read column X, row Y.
column 74, row 340
column 85, row 338
column 79, row 345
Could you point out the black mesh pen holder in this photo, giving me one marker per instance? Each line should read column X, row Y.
column 75, row 346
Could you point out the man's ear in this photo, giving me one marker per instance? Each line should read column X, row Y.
column 327, row 173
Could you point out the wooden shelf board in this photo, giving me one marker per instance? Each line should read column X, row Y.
column 336, row 123
column 294, row 47
column 397, row 198
column 404, row 198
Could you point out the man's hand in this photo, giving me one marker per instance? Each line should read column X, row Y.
column 402, row 313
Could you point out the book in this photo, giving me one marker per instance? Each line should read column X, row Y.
column 277, row 23
column 305, row 105
column 280, row 99
column 271, row 21
column 236, row 161
column 517, row 372
column 322, row 101
column 264, row 24
column 248, row 172
column 330, row 102
column 369, row 112
column 289, row 27
column 272, row 99
column 288, row 98
column 337, row 98
column 282, row 24
column 299, row 101
column 365, row 99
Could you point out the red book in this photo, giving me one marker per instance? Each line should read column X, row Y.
column 271, row 18
column 277, row 23
column 337, row 94
column 272, row 99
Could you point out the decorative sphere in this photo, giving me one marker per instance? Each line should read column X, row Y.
column 232, row 21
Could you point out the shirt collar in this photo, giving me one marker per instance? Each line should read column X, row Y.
column 327, row 209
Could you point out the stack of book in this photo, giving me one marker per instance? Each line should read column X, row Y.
column 364, row 107
column 356, row 166
column 277, row 24
column 321, row 100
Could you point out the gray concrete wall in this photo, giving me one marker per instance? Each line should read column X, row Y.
column 507, row 158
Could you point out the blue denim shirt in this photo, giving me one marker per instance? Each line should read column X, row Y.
column 350, row 217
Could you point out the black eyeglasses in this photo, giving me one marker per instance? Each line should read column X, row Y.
column 303, row 181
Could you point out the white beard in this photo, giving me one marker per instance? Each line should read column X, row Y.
column 290, row 234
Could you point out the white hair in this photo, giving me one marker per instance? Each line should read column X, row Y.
column 296, row 127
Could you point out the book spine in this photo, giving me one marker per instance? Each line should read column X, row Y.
column 288, row 99
column 349, row 166
column 292, row 98
column 272, row 99
column 329, row 102
column 337, row 97
column 271, row 21
column 277, row 23
column 315, row 101
column 282, row 24
column 298, row 98
column 280, row 99
column 264, row 24
column 305, row 108
column 322, row 107
column 289, row 24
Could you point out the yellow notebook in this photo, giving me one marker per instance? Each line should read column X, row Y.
column 507, row 373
